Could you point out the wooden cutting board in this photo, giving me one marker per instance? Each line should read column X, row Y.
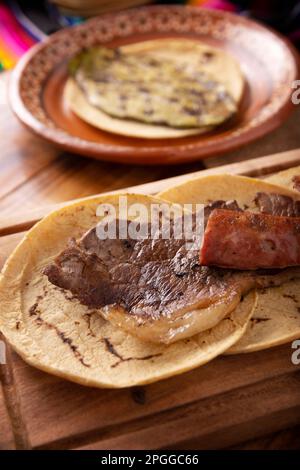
column 230, row 400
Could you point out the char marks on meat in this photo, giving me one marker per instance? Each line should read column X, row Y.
column 277, row 204
column 229, row 205
column 152, row 282
column 296, row 182
column 147, row 277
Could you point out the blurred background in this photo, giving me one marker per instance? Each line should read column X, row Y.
column 23, row 23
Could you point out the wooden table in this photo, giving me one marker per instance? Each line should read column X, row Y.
column 34, row 174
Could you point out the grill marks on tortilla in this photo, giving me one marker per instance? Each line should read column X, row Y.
column 111, row 348
column 294, row 299
column 256, row 320
column 291, row 296
column 87, row 318
column 151, row 90
column 35, row 312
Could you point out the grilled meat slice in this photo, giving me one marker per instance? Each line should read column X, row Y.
column 248, row 240
column 296, row 182
column 155, row 289
column 277, row 204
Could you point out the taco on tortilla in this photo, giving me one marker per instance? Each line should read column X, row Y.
column 124, row 311
column 56, row 331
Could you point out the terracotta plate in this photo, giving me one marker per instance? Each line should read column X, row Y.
column 269, row 64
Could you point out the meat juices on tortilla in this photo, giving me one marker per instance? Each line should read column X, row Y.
column 154, row 288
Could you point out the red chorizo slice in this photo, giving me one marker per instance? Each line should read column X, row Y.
column 248, row 240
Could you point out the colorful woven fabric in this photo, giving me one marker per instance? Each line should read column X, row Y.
column 14, row 40
column 217, row 4
column 281, row 15
column 18, row 33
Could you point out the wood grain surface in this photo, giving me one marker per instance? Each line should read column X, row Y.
column 256, row 167
column 6, row 434
column 250, row 401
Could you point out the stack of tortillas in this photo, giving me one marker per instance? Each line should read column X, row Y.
column 53, row 331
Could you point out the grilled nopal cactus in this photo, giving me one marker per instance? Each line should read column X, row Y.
column 144, row 88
